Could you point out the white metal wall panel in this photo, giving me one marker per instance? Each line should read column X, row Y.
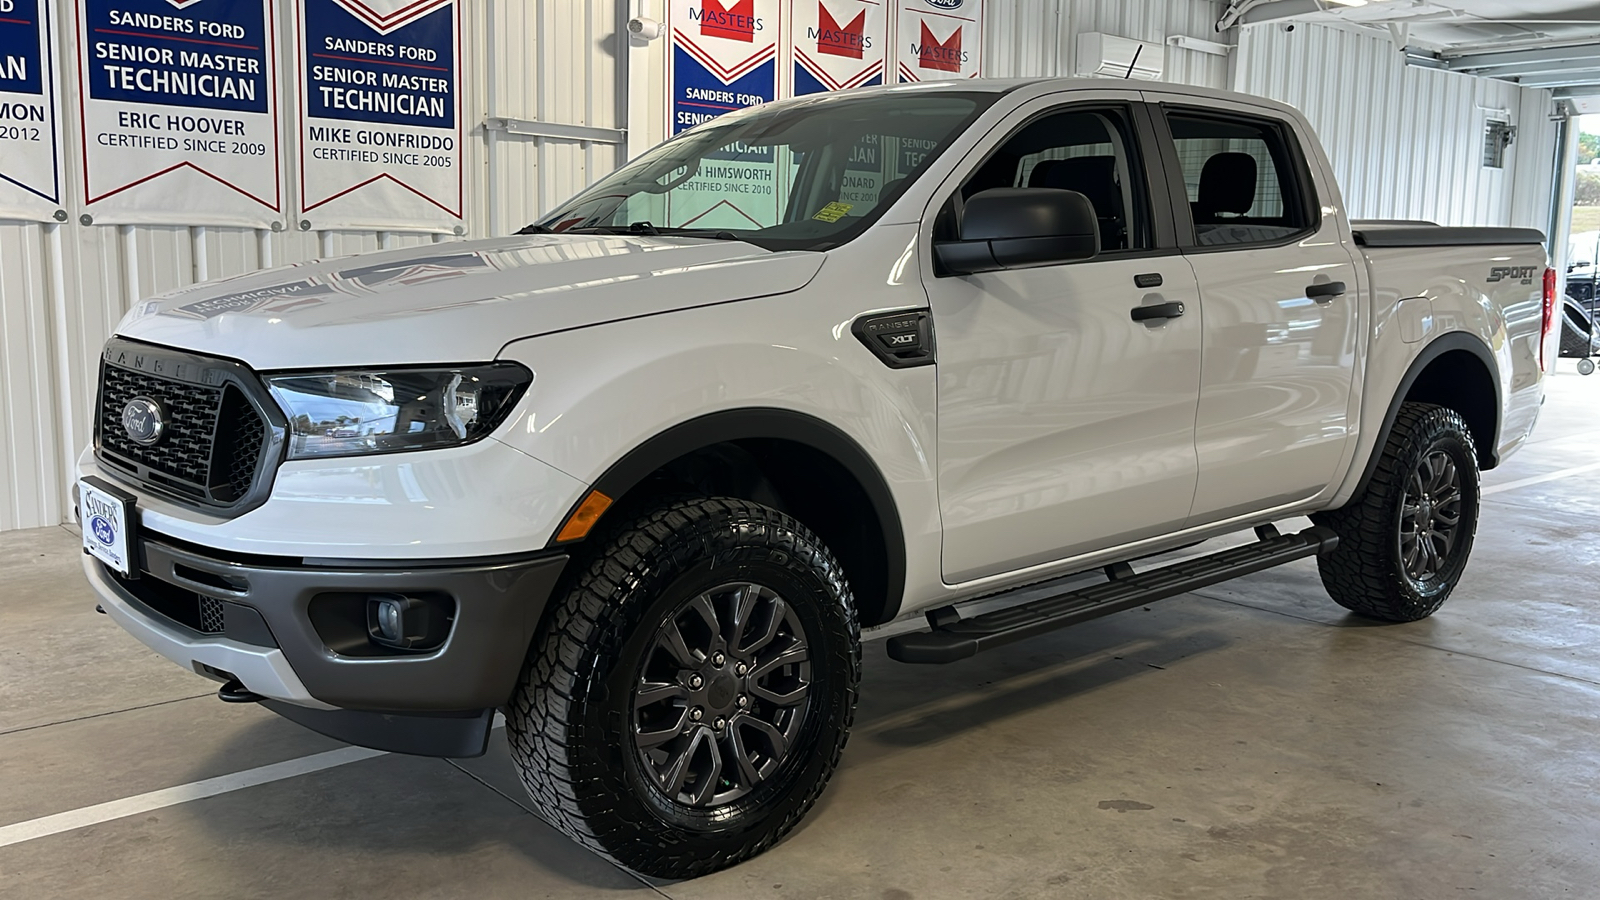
column 28, row 441
column 1406, row 142
column 1154, row 21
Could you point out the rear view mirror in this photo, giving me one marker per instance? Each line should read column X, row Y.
column 1015, row 228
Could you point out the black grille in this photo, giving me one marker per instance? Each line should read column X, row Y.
column 210, row 449
column 212, row 615
column 182, row 457
column 185, row 607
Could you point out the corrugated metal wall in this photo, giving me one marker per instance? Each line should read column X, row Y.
column 1407, row 143
column 1027, row 37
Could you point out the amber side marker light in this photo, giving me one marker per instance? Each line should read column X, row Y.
column 584, row 517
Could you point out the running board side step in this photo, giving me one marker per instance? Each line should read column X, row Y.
column 953, row 638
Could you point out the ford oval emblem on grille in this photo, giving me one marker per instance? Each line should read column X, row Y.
column 143, row 420
column 945, row 4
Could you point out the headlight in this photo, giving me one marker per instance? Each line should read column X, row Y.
column 388, row 410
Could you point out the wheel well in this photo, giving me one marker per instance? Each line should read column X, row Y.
column 797, row 479
column 1458, row 380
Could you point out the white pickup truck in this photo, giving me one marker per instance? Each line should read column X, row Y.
column 638, row 475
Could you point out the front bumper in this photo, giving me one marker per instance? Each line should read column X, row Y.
column 291, row 631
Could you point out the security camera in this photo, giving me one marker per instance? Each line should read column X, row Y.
column 644, row 29
column 1288, row 26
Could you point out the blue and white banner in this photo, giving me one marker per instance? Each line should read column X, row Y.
column 724, row 57
column 30, row 112
column 180, row 112
column 380, row 114
column 938, row 39
column 838, row 44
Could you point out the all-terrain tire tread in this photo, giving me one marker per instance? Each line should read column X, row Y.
column 1361, row 574
column 585, row 623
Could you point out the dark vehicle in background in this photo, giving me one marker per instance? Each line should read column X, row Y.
column 1580, row 330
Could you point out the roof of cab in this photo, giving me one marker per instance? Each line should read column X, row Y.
column 1040, row 86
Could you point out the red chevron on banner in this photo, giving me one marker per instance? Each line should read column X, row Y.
column 734, row 23
column 399, row 12
column 944, row 56
column 727, row 74
column 819, row 72
column 836, row 40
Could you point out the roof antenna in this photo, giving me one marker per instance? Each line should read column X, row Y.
column 1135, row 61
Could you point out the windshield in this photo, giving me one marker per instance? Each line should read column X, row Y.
column 804, row 176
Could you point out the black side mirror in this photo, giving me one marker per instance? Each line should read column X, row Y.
column 1014, row 228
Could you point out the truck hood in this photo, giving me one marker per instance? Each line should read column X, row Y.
column 456, row 302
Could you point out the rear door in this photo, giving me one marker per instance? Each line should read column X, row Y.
column 1065, row 426
column 1280, row 337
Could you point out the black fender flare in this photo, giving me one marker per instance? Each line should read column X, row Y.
column 754, row 423
column 1448, row 343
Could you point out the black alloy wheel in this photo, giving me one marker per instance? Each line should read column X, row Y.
column 721, row 694
column 1430, row 517
column 1405, row 538
column 691, row 688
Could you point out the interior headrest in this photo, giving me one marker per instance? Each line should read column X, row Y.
column 1094, row 177
column 1228, row 184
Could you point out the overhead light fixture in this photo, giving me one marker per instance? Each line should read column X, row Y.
column 1349, row 2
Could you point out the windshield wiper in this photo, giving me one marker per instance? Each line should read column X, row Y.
column 645, row 228
column 536, row 228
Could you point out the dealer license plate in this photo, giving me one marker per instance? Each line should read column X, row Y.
column 108, row 520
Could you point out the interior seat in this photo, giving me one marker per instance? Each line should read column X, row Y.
column 1094, row 177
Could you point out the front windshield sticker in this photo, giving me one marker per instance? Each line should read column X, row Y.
column 724, row 58
column 939, row 39
column 838, row 44
column 833, row 212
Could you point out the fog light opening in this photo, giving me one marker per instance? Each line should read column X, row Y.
column 406, row 623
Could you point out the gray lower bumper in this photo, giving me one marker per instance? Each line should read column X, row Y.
column 284, row 640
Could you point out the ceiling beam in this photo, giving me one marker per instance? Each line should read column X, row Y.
column 1533, row 70
column 1527, row 60
column 1567, row 79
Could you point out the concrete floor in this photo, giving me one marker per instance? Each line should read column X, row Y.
column 1245, row 741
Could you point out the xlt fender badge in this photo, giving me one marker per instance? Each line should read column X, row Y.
column 1524, row 274
column 902, row 340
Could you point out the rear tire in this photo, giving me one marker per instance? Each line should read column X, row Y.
column 687, row 700
column 1404, row 541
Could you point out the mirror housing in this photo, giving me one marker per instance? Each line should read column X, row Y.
column 1015, row 228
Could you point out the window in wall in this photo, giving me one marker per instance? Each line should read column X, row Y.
column 1088, row 151
column 1496, row 138
column 1244, row 185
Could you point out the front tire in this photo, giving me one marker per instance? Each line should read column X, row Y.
column 1404, row 542
column 687, row 700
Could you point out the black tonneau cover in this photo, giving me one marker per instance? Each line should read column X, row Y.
column 1426, row 234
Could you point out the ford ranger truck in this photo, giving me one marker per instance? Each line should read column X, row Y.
column 639, row 475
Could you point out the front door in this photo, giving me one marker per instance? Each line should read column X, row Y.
column 1065, row 425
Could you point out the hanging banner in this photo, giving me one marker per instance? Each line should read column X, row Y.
column 724, row 57
column 939, row 39
column 838, row 44
column 380, row 114
column 180, row 112
column 30, row 112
